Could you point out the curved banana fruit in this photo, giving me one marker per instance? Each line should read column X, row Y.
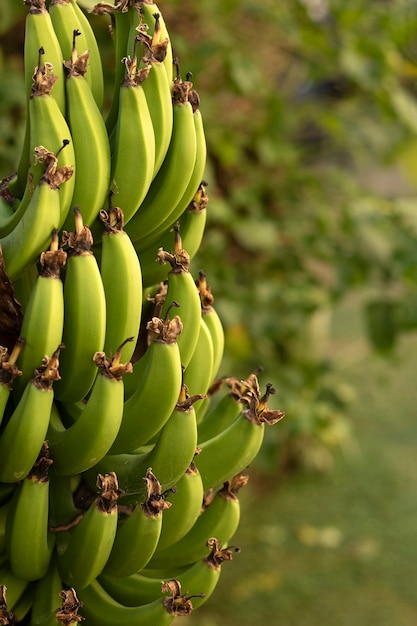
column 29, row 543
column 95, row 64
column 84, row 316
column 83, row 551
column 84, row 443
column 174, row 174
column 39, row 33
column 23, row 436
column 159, row 377
column 32, row 234
column 198, row 373
column 12, row 590
column 65, row 17
column 43, row 319
column 199, row 579
column 90, row 141
column 46, row 601
column 186, row 500
column 221, row 412
column 182, row 289
column 219, row 518
column 133, row 154
column 169, row 457
column 196, row 175
column 122, row 281
column 159, row 32
column 101, row 610
column 158, row 92
column 8, row 373
column 191, row 226
column 231, row 451
column 138, row 534
column 212, row 320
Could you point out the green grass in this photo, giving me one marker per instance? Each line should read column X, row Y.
column 337, row 549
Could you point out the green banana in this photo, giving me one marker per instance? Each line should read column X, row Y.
column 221, row 412
column 46, row 601
column 122, row 281
column 187, row 500
column 46, row 122
column 84, row 315
column 121, row 14
column 133, row 154
column 219, row 518
column 39, row 33
column 24, row 604
column 95, row 65
column 63, row 507
column 101, row 610
column 213, row 321
column 90, row 141
column 83, row 550
column 43, row 319
column 198, row 373
column 138, row 534
column 232, row 450
column 29, row 543
column 191, row 225
column 158, row 377
column 32, row 234
column 84, row 443
column 194, row 180
column 12, row 589
column 24, row 433
column 169, row 184
column 159, row 32
column 199, row 579
column 8, row 373
column 158, row 92
column 182, row 289
column 169, row 457
column 65, row 19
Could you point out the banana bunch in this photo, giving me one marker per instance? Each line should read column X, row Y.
column 122, row 451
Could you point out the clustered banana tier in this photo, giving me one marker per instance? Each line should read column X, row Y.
column 121, row 451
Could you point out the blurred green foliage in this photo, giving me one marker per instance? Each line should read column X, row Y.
column 311, row 116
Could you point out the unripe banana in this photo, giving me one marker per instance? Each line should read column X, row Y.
column 158, row 377
column 221, row 412
column 84, row 316
column 8, row 372
column 65, row 19
column 39, row 33
column 198, row 373
column 83, row 551
column 101, row 610
column 169, row 457
column 212, row 320
column 133, row 154
column 43, row 319
column 182, row 289
column 12, row 589
column 29, row 543
column 122, row 281
column 95, row 65
column 194, row 180
column 187, row 500
column 46, row 601
column 84, row 443
column 174, row 174
column 90, row 141
column 138, row 534
column 232, row 450
column 191, row 225
column 199, row 579
column 23, row 436
column 219, row 518
column 32, row 234
column 158, row 92
column 159, row 32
